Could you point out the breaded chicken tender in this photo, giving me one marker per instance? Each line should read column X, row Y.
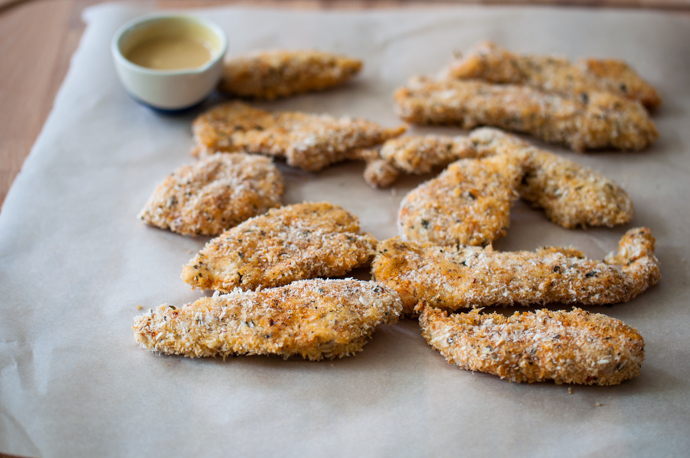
column 309, row 142
column 570, row 194
column 378, row 172
column 467, row 204
column 494, row 64
column 269, row 75
column 456, row 277
column 418, row 154
column 314, row 319
column 566, row 347
column 290, row 243
column 599, row 120
column 218, row 192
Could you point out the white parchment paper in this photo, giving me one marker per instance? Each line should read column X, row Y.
column 75, row 263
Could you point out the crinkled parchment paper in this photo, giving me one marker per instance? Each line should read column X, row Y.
column 75, row 263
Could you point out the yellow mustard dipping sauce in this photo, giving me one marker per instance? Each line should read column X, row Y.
column 169, row 53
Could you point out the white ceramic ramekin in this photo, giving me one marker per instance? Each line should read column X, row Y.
column 169, row 90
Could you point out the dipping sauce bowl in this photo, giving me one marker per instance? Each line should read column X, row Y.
column 169, row 62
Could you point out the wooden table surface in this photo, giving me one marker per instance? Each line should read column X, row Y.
column 37, row 38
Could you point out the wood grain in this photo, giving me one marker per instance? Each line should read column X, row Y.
column 38, row 37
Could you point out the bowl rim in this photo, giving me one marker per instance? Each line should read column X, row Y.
column 129, row 25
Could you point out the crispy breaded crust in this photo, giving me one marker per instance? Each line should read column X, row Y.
column 494, row 64
column 467, row 204
column 618, row 77
column 218, row 192
column 566, row 347
column 570, row 194
column 600, row 120
column 314, row 319
column 378, row 172
column 419, row 154
column 237, row 126
column 309, row 142
column 456, row 277
column 290, row 243
column 272, row 74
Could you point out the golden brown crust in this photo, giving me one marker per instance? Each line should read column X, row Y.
column 566, row 347
column 618, row 77
column 600, row 120
column 309, row 142
column 378, row 172
column 314, row 319
column 420, row 154
column 273, row 74
column 456, row 277
column 570, row 194
column 494, row 64
column 467, row 204
column 218, row 192
column 290, row 243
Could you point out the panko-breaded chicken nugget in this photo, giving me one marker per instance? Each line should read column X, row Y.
column 566, row 347
column 272, row 74
column 218, row 192
column 467, row 204
column 290, row 243
column 309, row 142
column 419, row 154
column 456, row 277
column 494, row 64
column 599, row 120
column 314, row 319
column 570, row 194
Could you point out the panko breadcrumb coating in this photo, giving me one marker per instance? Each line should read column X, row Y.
column 290, row 243
column 314, row 319
column 309, row 142
column 566, row 347
column 570, row 194
column 456, row 277
column 467, row 204
column 378, row 172
column 599, row 120
column 419, row 154
column 278, row 73
column 218, row 192
column 494, row 64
